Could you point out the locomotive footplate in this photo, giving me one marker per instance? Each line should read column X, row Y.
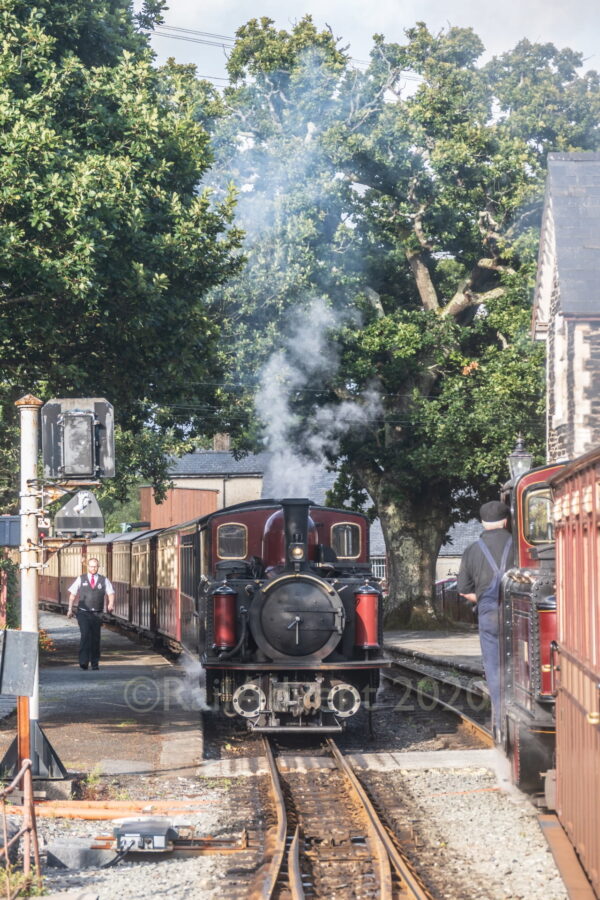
column 276, row 666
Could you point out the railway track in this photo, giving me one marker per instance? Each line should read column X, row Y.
column 461, row 697
column 328, row 840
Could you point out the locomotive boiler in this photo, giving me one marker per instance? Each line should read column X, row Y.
column 291, row 618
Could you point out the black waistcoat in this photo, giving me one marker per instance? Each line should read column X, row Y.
column 92, row 598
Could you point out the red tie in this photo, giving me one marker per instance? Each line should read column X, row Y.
column 93, row 581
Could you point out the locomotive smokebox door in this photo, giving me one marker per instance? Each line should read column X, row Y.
column 78, row 439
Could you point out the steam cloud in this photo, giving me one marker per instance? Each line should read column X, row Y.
column 306, row 357
column 280, row 173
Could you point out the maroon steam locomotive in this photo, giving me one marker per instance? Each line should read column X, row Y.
column 528, row 631
column 275, row 597
column 291, row 621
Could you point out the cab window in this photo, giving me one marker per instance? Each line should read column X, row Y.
column 345, row 540
column 538, row 526
column 232, row 541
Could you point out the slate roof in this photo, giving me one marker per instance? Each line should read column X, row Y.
column 215, row 463
column 211, row 463
column 460, row 536
column 573, row 200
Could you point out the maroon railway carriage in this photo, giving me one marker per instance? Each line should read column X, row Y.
column 527, row 630
column 577, row 672
column 290, row 617
column 62, row 565
column 177, row 578
column 101, row 548
column 121, row 574
column 142, row 585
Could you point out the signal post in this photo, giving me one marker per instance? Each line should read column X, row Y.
column 78, row 449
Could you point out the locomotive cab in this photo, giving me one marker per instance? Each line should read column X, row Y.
column 293, row 624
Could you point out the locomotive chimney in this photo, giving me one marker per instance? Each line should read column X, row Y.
column 295, row 515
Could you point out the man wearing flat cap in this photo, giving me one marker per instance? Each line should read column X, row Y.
column 483, row 564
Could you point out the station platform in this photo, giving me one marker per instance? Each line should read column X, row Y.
column 139, row 714
column 459, row 649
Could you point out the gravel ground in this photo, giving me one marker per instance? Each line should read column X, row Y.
column 473, row 841
column 228, row 807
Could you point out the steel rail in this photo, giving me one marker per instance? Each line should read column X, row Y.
column 294, row 874
column 410, row 883
column 265, row 882
column 474, row 727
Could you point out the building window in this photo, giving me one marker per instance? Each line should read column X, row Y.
column 232, row 541
column 379, row 567
column 345, row 540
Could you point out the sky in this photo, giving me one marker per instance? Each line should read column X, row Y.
column 500, row 25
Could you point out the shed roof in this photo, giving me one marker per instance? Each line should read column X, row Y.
column 213, row 463
column 572, row 223
column 460, row 536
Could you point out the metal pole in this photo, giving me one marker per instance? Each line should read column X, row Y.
column 29, row 407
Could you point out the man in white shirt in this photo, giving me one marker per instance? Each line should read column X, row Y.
column 91, row 590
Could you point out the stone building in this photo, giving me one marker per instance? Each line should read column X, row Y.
column 566, row 310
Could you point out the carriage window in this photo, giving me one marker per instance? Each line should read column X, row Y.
column 345, row 540
column 538, row 527
column 232, row 541
column 139, row 567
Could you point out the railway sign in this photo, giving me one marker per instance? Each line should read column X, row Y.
column 78, row 439
column 80, row 515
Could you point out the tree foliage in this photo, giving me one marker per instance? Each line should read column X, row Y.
column 413, row 203
column 107, row 248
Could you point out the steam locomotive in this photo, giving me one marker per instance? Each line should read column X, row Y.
column 276, row 598
column 291, row 620
column 528, row 630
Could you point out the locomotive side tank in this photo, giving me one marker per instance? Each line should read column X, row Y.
column 290, row 616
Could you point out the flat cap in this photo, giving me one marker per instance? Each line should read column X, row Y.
column 494, row 511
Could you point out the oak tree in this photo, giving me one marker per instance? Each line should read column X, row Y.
column 107, row 245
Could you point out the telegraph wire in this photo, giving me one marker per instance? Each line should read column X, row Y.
column 202, row 37
column 206, row 34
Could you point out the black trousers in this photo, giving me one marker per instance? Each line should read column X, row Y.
column 89, row 646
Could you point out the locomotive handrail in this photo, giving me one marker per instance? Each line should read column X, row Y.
column 305, row 577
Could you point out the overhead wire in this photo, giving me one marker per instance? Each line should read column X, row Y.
column 206, row 38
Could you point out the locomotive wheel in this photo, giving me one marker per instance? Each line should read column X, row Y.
column 528, row 757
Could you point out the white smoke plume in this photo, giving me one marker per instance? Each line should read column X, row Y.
column 307, row 355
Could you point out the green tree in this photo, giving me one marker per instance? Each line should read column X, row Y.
column 107, row 246
column 415, row 203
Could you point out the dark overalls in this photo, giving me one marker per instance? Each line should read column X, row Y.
column 489, row 626
column 90, row 605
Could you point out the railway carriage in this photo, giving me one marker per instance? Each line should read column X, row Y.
column 121, row 574
column 101, row 548
column 61, row 566
column 49, row 578
column 576, row 667
column 142, row 586
column 71, row 565
column 168, row 623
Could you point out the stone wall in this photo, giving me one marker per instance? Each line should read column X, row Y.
column 573, row 383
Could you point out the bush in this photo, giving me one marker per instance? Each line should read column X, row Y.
column 13, row 611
